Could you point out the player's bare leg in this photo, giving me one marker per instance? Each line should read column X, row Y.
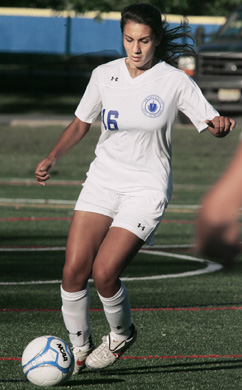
column 86, row 234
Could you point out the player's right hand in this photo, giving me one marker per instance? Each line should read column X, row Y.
column 42, row 169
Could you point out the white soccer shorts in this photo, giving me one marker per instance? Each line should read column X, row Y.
column 140, row 215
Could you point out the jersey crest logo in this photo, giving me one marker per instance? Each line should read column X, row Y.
column 152, row 106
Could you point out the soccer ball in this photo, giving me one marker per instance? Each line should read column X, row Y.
column 47, row 361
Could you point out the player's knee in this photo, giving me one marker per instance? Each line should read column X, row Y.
column 73, row 278
column 104, row 280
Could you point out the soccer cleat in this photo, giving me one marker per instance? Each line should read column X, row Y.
column 109, row 351
column 80, row 357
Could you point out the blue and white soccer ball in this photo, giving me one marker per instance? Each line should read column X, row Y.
column 47, row 361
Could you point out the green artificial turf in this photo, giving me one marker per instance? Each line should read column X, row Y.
column 189, row 328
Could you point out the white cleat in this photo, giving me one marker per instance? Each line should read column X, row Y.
column 109, row 351
column 80, row 357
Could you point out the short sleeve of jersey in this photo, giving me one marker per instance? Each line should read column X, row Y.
column 193, row 104
column 90, row 105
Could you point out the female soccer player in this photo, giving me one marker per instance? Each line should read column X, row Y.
column 129, row 183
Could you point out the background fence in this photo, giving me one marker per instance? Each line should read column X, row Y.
column 45, row 50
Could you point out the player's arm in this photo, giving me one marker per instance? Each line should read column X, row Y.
column 220, row 126
column 69, row 138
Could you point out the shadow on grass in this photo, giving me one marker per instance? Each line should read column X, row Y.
column 87, row 380
column 13, row 381
column 72, row 383
column 177, row 367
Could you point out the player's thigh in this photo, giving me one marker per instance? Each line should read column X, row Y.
column 115, row 253
column 86, row 234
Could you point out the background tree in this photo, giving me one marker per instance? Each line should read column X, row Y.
column 182, row 7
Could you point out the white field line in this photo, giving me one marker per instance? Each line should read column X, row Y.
column 36, row 201
column 27, row 182
column 61, row 182
column 34, row 249
column 73, row 202
column 146, row 248
column 210, row 267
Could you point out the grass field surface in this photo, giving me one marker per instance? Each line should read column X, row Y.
column 188, row 314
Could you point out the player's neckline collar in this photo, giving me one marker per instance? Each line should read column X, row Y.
column 141, row 75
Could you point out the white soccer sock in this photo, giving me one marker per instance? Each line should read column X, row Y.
column 75, row 311
column 118, row 313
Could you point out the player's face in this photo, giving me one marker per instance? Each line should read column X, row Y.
column 140, row 44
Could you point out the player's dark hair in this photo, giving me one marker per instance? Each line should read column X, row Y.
column 173, row 41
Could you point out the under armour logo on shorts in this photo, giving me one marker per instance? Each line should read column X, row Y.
column 140, row 226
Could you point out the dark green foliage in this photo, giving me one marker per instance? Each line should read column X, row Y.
column 181, row 7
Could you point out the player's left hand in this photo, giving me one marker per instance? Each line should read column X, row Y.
column 220, row 126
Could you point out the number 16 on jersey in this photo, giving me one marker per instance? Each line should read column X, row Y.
column 110, row 119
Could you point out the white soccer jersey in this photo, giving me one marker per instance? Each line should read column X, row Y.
column 133, row 153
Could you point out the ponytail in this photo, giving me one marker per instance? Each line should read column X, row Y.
column 174, row 42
